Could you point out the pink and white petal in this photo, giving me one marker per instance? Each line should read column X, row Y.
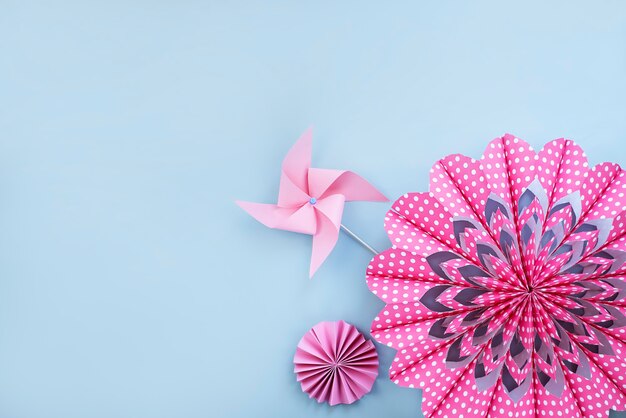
column 502, row 406
column 400, row 264
column 459, row 183
column 445, row 190
column 466, row 400
column 536, row 402
column 561, row 167
column 418, row 223
column 510, row 165
column 406, row 236
column 608, row 372
column 440, row 382
column 548, row 405
column 395, row 325
column 595, row 396
column 398, row 333
column 617, row 244
column 618, row 233
column 424, row 212
column 612, row 202
column 602, row 181
column 604, row 197
column 411, row 356
column 394, row 291
column 472, row 240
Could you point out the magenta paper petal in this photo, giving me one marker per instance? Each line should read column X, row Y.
column 334, row 363
column 505, row 286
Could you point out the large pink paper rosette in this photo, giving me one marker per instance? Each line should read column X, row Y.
column 505, row 285
column 334, row 363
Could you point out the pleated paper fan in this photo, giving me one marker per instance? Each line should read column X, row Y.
column 334, row 363
column 505, row 285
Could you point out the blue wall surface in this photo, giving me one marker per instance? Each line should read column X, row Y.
column 131, row 286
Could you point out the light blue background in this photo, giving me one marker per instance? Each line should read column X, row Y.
column 132, row 286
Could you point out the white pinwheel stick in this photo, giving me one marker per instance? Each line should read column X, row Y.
column 358, row 239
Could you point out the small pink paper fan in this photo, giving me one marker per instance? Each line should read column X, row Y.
column 506, row 285
column 334, row 363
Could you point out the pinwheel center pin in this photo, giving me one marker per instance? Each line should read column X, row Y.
column 312, row 200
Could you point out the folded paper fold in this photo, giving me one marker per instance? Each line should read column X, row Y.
column 334, row 363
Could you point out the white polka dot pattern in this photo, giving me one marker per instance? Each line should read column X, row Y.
column 505, row 286
column 509, row 165
column 420, row 224
column 601, row 190
column 561, row 168
column 459, row 184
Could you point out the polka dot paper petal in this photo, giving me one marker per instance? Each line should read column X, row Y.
column 505, row 287
column 334, row 363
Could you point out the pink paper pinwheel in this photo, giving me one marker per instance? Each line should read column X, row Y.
column 311, row 200
column 506, row 283
column 334, row 363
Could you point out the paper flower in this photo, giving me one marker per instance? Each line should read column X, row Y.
column 505, row 285
column 334, row 363
column 310, row 200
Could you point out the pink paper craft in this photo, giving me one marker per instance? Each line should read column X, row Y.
column 334, row 363
column 505, row 285
column 310, row 200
